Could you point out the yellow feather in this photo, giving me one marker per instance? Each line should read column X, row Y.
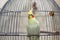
column 30, row 12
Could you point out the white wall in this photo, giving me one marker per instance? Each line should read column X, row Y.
column 2, row 2
column 58, row 2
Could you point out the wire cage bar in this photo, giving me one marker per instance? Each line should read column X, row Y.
column 14, row 17
column 13, row 25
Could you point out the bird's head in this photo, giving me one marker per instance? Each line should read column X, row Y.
column 30, row 15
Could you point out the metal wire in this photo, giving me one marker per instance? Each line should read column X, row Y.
column 11, row 26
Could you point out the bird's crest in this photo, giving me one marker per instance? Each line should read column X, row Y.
column 30, row 12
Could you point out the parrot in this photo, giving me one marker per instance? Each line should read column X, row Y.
column 33, row 26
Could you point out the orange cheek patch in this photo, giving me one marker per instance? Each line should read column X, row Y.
column 32, row 16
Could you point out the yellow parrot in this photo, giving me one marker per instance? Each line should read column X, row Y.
column 33, row 26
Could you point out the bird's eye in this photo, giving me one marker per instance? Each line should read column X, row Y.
column 30, row 15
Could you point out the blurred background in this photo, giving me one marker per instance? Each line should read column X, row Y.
column 13, row 18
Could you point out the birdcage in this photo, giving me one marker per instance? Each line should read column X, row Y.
column 14, row 18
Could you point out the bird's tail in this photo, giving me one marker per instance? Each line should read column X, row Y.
column 34, row 38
